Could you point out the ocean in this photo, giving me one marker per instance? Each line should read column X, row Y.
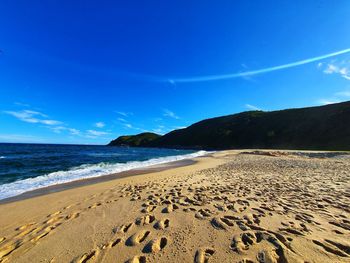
column 26, row 167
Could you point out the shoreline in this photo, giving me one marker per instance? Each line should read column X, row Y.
column 99, row 179
column 159, row 168
column 224, row 207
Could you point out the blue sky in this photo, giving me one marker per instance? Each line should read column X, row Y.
column 89, row 71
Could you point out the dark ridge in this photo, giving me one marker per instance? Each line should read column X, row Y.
column 313, row 128
column 139, row 140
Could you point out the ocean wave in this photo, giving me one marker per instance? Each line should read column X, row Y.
column 2, row 157
column 84, row 172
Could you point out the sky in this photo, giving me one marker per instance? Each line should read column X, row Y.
column 86, row 72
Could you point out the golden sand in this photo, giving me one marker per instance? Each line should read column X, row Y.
column 228, row 207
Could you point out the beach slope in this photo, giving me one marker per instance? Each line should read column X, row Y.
column 232, row 206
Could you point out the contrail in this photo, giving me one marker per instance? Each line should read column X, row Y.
column 256, row 72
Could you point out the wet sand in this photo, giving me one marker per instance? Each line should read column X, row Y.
column 256, row 206
column 94, row 180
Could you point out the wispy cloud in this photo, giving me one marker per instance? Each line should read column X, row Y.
column 74, row 131
column 251, row 107
column 55, row 126
column 100, row 124
column 327, row 101
column 180, row 127
column 125, row 114
column 128, row 125
column 60, row 129
column 335, row 98
column 255, row 72
column 169, row 113
column 32, row 117
column 121, row 119
column 96, row 133
column 21, row 104
column 342, row 68
column 133, row 127
column 21, row 138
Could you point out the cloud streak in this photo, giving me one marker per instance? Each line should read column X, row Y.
column 32, row 117
column 251, row 107
column 335, row 98
column 170, row 114
column 343, row 69
column 256, row 72
column 100, row 124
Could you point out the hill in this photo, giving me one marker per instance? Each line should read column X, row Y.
column 313, row 128
column 138, row 140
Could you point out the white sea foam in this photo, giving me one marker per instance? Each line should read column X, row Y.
column 2, row 157
column 83, row 172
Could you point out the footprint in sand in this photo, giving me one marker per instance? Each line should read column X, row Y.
column 94, row 205
column 244, row 240
column 334, row 247
column 4, row 251
column 137, row 259
column 125, row 228
column 72, row 216
column 221, row 223
column 149, row 209
column 145, row 220
column 87, row 256
column 203, row 213
column 113, row 243
column 170, row 208
column 162, row 224
column 203, row 255
column 25, row 226
column 137, row 238
column 54, row 214
column 155, row 245
column 37, row 238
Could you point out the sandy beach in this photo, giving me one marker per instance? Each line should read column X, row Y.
column 231, row 206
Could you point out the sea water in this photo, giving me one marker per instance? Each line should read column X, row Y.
column 26, row 167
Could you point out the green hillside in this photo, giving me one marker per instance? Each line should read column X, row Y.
column 314, row 128
column 141, row 139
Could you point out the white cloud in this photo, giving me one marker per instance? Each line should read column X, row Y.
column 335, row 98
column 259, row 71
column 121, row 119
column 169, row 113
column 59, row 129
column 327, row 101
column 96, row 133
column 100, row 124
column 32, row 117
column 50, row 122
column 125, row 114
column 251, row 107
column 131, row 126
column 180, row 127
column 74, row 131
column 342, row 68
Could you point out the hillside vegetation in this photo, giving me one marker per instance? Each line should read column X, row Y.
column 141, row 139
column 313, row 128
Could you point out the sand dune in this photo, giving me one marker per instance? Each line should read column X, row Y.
column 229, row 207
